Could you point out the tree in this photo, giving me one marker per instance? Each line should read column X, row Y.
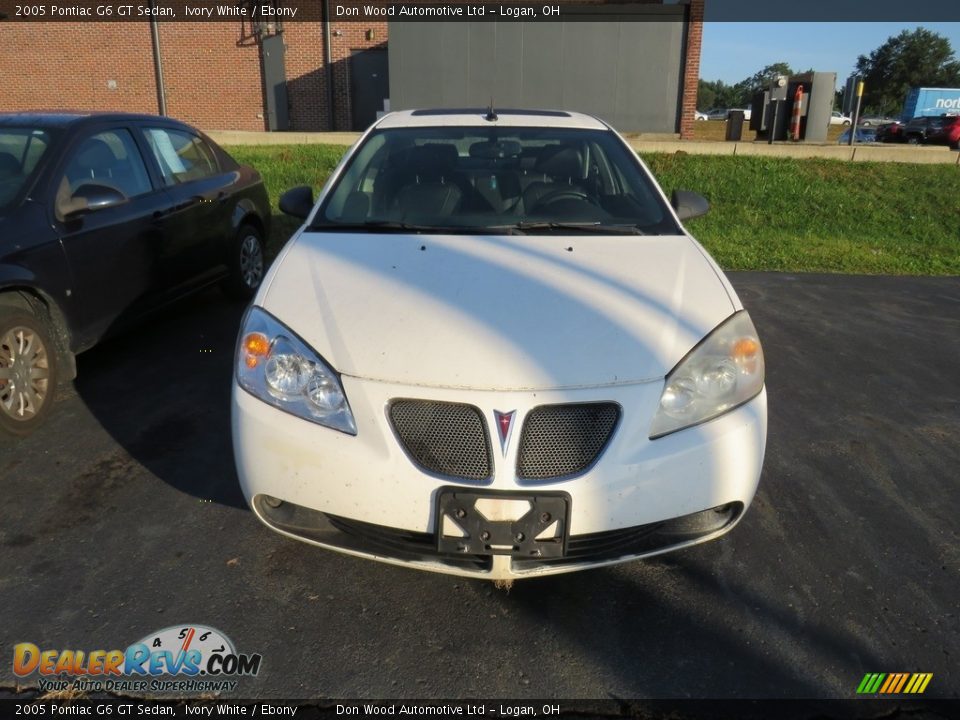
column 707, row 94
column 918, row 58
column 715, row 93
column 763, row 78
column 744, row 90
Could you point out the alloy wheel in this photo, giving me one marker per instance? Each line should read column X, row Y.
column 24, row 373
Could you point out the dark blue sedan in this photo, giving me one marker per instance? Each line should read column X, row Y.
column 102, row 218
column 864, row 135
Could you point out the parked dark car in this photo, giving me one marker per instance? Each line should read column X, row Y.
column 104, row 217
column 933, row 130
column 890, row 132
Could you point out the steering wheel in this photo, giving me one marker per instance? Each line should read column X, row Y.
column 562, row 194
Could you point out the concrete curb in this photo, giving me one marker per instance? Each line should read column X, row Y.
column 247, row 137
column 859, row 153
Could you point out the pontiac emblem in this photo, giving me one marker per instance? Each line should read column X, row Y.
column 504, row 428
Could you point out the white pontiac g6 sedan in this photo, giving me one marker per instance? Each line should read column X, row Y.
column 493, row 350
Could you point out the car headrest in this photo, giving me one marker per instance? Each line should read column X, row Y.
column 432, row 159
column 96, row 155
column 9, row 167
column 560, row 161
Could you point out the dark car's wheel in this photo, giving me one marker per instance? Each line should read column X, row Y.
column 247, row 263
column 28, row 372
column 913, row 140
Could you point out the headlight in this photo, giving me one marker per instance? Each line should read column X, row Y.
column 724, row 371
column 276, row 366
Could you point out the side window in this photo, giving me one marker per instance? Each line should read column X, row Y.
column 109, row 158
column 182, row 157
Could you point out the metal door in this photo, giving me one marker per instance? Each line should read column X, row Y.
column 275, row 83
column 369, row 85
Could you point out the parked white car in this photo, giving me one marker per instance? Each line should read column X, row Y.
column 838, row 118
column 700, row 115
column 493, row 350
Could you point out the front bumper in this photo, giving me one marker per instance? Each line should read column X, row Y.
column 364, row 496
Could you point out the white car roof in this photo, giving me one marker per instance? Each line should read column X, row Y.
column 477, row 117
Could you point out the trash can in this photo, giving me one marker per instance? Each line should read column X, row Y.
column 735, row 125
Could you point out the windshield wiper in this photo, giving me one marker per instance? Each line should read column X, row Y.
column 597, row 228
column 393, row 226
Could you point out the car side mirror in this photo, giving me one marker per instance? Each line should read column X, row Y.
column 91, row 197
column 689, row 204
column 297, row 201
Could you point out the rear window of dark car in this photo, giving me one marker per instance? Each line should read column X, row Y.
column 21, row 149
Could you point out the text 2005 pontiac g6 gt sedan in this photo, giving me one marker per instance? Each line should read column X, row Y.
column 493, row 350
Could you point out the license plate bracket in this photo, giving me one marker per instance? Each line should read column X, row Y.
column 462, row 527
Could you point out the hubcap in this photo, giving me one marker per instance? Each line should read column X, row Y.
column 251, row 261
column 24, row 374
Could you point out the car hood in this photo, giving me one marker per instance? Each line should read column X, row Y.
column 498, row 313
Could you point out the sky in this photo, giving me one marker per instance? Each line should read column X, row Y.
column 732, row 51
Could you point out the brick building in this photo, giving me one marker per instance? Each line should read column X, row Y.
column 238, row 75
column 214, row 74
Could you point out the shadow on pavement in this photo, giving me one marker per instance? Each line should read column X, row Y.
column 162, row 391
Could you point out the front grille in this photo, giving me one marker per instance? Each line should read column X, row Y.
column 564, row 440
column 446, row 439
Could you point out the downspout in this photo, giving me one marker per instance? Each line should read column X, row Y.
column 157, row 63
column 328, row 63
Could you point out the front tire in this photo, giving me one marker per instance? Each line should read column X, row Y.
column 247, row 263
column 28, row 372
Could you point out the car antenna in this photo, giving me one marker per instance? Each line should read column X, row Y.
column 491, row 115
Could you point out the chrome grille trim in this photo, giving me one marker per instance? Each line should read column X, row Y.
column 443, row 438
column 563, row 441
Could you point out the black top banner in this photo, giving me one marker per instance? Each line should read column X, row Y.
column 119, row 708
column 915, row 11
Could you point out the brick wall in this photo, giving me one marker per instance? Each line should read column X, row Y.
column 211, row 71
column 71, row 66
column 211, row 74
column 306, row 79
column 691, row 69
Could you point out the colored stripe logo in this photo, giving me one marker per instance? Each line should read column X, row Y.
column 894, row 683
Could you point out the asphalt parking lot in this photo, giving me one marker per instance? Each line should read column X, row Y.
column 123, row 516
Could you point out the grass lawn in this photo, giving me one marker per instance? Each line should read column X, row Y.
column 786, row 214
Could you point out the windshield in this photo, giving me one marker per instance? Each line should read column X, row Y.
column 20, row 152
column 479, row 179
